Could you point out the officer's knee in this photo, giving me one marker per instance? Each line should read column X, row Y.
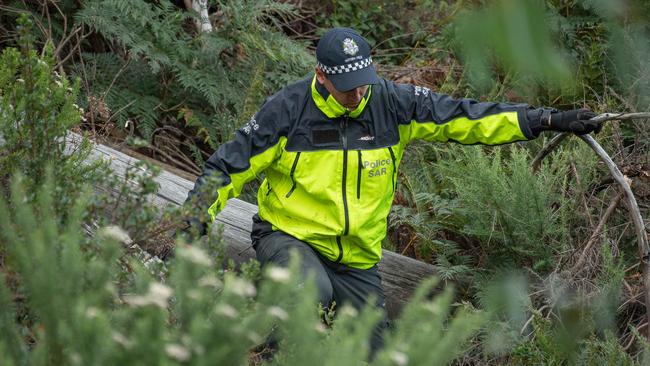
column 325, row 291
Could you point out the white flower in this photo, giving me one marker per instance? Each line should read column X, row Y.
column 158, row 295
column 432, row 307
column 320, row 328
column 121, row 339
column 279, row 274
column 210, row 281
column 111, row 288
column 195, row 255
column 278, row 312
column 254, row 337
column 241, row 287
column 399, row 358
column 92, row 312
column 194, row 294
column 116, row 233
column 349, row 311
column 177, row 352
column 226, row 310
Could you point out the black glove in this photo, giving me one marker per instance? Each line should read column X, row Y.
column 575, row 120
column 195, row 228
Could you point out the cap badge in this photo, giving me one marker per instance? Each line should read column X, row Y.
column 350, row 47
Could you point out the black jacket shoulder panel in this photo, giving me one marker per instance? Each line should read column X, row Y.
column 263, row 131
column 420, row 104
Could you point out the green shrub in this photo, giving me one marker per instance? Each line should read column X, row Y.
column 554, row 345
column 36, row 111
column 428, row 208
column 79, row 308
column 518, row 217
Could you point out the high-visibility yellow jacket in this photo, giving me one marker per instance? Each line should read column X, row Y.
column 331, row 173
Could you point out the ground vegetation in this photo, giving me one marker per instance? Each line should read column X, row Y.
column 547, row 256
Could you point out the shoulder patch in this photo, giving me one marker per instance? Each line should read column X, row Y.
column 250, row 126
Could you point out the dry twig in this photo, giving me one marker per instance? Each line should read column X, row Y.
column 577, row 268
column 633, row 207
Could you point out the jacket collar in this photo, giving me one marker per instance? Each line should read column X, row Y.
column 328, row 105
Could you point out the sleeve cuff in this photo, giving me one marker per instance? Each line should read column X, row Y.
column 534, row 119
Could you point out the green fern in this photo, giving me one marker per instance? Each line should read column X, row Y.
column 209, row 74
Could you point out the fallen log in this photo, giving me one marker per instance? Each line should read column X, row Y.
column 400, row 274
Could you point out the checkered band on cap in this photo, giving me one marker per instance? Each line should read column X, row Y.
column 342, row 69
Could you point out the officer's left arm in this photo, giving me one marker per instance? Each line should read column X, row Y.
column 431, row 116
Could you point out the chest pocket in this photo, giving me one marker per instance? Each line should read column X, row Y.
column 376, row 171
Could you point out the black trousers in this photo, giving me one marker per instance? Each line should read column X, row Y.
column 335, row 281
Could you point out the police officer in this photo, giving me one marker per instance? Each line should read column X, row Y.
column 330, row 146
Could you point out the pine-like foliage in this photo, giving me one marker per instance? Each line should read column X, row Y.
column 36, row 111
column 79, row 308
column 518, row 216
column 489, row 197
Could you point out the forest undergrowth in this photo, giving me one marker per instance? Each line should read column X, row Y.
column 545, row 264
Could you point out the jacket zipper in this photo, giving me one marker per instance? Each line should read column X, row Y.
column 293, row 169
column 344, row 127
column 392, row 156
column 359, row 175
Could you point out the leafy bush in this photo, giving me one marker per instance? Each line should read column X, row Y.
column 79, row 308
column 550, row 347
column 36, row 111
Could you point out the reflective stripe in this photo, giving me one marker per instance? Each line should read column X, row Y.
column 494, row 129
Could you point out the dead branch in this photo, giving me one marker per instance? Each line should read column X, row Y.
column 633, row 208
column 594, row 236
column 555, row 141
column 552, row 145
column 574, row 171
column 620, row 116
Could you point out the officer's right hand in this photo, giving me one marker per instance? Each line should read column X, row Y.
column 577, row 121
column 195, row 228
